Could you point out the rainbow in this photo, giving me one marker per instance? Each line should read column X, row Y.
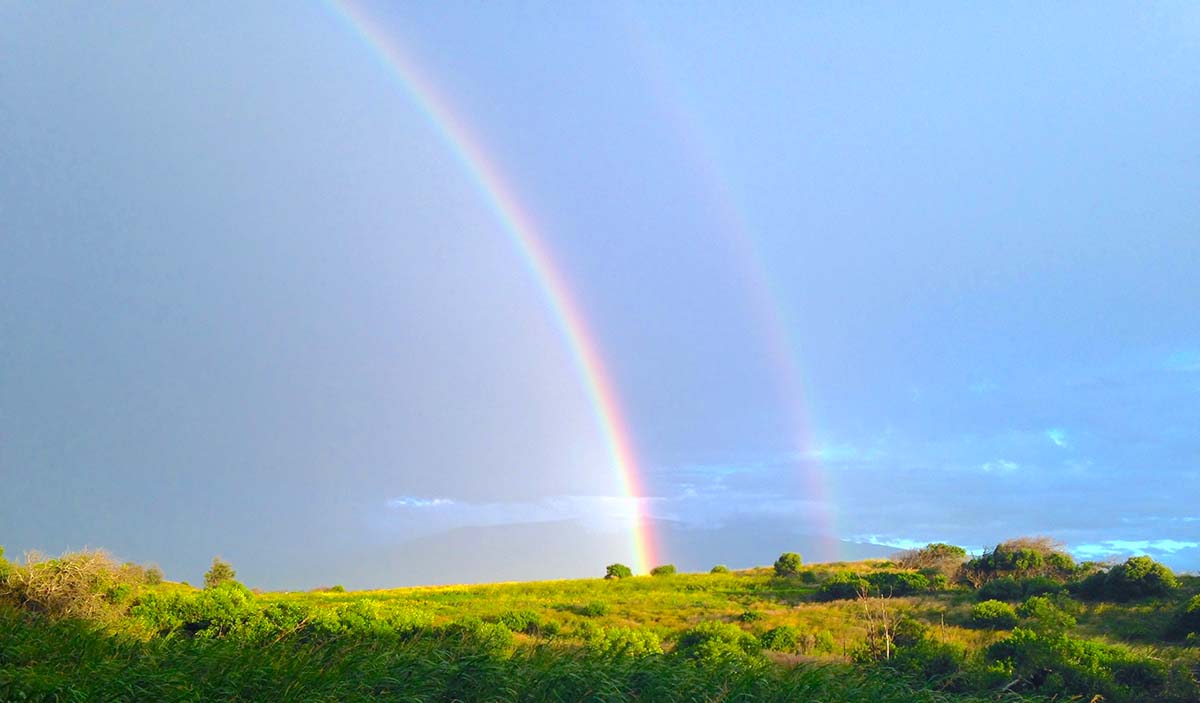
column 765, row 297
column 521, row 229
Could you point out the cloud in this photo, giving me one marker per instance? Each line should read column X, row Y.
column 1113, row 547
column 1000, row 466
column 1058, row 437
column 414, row 502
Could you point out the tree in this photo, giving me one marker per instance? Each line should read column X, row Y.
column 788, row 564
column 719, row 569
column 221, row 572
column 1139, row 577
column 617, row 571
column 664, row 570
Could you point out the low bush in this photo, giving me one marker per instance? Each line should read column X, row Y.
column 784, row 638
column 664, row 570
column 714, row 641
column 623, row 642
column 843, row 585
column 994, row 615
column 1005, row 588
column 719, row 569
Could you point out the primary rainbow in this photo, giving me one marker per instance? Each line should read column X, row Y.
column 521, row 229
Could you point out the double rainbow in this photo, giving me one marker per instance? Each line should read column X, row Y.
column 521, row 229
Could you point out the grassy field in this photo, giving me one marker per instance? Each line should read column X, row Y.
column 738, row 636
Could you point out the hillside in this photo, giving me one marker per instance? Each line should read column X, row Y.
column 1016, row 620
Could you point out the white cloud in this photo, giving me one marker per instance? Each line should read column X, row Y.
column 1058, row 437
column 414, row 502
column 1113, row 547
column 1000, row 466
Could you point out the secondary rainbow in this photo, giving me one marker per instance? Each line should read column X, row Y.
column 765, row 297
column 521, row 229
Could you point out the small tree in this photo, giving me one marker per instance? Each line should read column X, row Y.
column 788, row 564
column 719, row 569
column 221, row 572
column 617, row 571
column 994, row 615
column 664, row 570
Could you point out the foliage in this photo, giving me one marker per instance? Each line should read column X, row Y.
column 87, row 584
column 1023, row 557
column 788, row 564
column 220, row 572
column 1005, row 588
column 936, row 556
column 1187, row 622
column 785, row 638
column 719, row 569
column 1044, row 616
column 1138, row 577
column 897, row 583
column 623, row 642
column 617, row 571
column 994, row 615
column 843, row 585
column 664, row 570
column 713, row 641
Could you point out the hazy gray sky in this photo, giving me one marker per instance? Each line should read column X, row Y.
column 252, row 305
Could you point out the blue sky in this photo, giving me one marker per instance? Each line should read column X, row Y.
column 253, row 306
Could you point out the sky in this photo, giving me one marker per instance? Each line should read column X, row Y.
column 861, row 276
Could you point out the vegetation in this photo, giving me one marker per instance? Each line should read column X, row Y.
column 220, row 572
column 85, row 627
column 788, row 564
column 618, row 571
column 664, row 570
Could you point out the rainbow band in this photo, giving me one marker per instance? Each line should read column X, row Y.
column 524, row 235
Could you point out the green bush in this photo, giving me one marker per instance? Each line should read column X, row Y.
column 897, row 583
column 994, row 615
column 220, row 572
column 623, row 642
column 663, row 570
column 526, row 621
column 1187, row 622
column 843, row 585
column 1045, row 617
column 719, row 569
column 750, row 616
column 1005, row 588
column 784, row 638
column 617, row 571
column 713, row 641
column 592, row 609
column 788, row 564
column 1138, row 577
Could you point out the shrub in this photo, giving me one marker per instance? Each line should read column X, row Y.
column 220, row 572
column 714, row 641
column 842, row 585
column 898, row 583
column 1004, row 588
column 788, row 564
column 994, row 615
column 937, row 556
column 617, row 571
column 1044, row 617
column 750, row 616
column 593, row 609
column 525, row 621
column 1138, row 577
column 784, row 638
column 484, row 637
column 719, row 569
column 824, row 642
column 623, row 642
column 1022, row 557
column 88, row 584
column 1187, row 622
column 664, row 570
column 154, row 576
column 336, row 588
